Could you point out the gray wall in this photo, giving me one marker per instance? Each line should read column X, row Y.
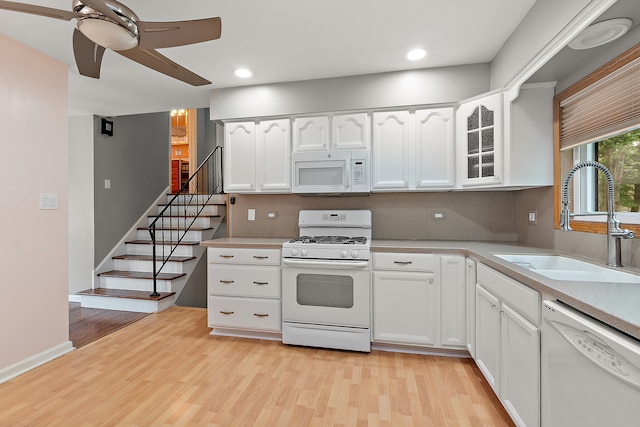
column 415, row 87
column 136, row 160
column 206, row 133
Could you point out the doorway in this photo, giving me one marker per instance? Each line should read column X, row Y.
column 184, row 150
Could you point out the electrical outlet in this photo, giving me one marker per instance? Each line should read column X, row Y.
column 533, row 217
column 107, row 184
column 251, row 214
column 437, row 215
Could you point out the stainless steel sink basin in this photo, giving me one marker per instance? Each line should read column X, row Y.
column 558, row 267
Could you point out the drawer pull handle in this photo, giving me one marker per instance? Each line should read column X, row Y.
column 403, row 262
column 260, row 257
column 226, row 312
column 260, row 315
column 226, row 256
column 260, row 283
column 227, row 281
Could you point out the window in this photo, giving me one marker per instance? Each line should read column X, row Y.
column 598, row 118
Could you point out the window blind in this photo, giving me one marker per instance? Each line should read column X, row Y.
column 605, row 108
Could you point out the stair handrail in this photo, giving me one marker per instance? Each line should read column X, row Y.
column 206, row 181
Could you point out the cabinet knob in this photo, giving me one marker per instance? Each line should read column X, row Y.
column 431, row 280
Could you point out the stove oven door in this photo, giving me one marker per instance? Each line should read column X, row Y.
column 326, row 292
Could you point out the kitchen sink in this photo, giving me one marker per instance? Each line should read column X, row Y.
column 559, row 267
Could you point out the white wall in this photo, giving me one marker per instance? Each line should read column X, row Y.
column 81, row 200
column 34, row 287
column 416, row 87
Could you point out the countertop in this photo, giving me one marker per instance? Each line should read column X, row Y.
column 616, row 304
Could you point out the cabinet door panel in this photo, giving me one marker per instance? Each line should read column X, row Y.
column 405, row 308
column 452, row 297
column 240, row 157
column 520, row 376
column 311, row 133
column 391, row 150
column 274, row 155
column 488, row 336
column 435, row 148
column 350, row 131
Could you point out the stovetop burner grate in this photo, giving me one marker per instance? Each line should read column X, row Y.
column 337, row 240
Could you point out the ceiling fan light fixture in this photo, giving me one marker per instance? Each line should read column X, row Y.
column 107, row 34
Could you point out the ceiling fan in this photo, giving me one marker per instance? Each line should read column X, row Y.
column 107, row 24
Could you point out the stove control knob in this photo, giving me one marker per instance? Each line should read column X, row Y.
column 304, row 252
column 354, row 254
column 343, row 254
column 294, row 252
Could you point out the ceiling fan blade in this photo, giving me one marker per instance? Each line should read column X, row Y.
column 48, row 12
column 154, row 60
column 154, row 35
column 88, row 55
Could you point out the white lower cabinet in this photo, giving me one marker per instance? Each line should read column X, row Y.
column 405, row 307
column 244, row 292
column 507, row 344
column 419, row 300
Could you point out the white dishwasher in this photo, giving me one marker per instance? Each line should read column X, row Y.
column 590, row 372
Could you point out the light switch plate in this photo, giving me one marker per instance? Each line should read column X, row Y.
column 48, row 201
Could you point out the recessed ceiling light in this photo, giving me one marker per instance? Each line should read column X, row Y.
column 416, row 54
column 601, row 33
column 243, row 73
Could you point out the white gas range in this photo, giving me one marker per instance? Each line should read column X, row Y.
column 326, row 284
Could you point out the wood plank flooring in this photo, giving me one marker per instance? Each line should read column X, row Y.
column 166, row 370
column 89, row 324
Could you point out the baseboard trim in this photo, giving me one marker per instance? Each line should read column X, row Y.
column 427, row 351
column 34, row 361
column 75, row 298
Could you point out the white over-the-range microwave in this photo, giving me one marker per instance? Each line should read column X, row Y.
column 331, row 172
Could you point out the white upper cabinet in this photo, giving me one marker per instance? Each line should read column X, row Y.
column 350, row 131
column 240, row 157
column 273, row 165
column 392, row 145
column 480, row 143
column 413, row 151
column 311, row 133
column 435, row 145
column 332, row 132
column 258, row 157
column 505, row 142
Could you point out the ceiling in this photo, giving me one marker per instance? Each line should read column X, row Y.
column 279, row 40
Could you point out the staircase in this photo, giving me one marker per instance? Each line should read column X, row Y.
column 127, row 282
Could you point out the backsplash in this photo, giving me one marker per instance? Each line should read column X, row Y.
column 479, row 216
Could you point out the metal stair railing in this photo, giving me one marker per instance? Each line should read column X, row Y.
column 197, row 191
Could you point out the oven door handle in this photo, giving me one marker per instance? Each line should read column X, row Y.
column 319, row 263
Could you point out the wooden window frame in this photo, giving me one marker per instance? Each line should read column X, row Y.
column 610, row 67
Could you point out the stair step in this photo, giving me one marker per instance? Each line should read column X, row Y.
column 161, row 242
column 123, row 293
column 150, row 258
column 178, row 228
column 140, row 275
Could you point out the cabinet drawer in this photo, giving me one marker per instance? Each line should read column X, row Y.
column 244, row 313
column 403, row 261
column 244, row 256
column 522, row 298
column 244, row 281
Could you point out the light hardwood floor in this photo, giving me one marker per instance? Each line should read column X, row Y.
column 166, row 370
